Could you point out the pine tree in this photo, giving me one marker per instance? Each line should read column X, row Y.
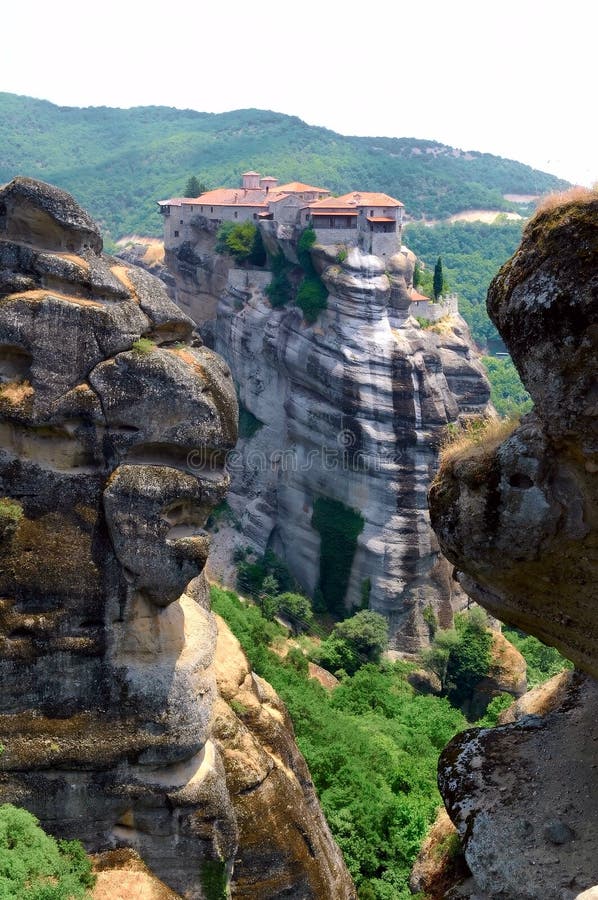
column 438, row 283
column 194, row 187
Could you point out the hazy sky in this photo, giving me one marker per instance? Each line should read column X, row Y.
column 515, row 77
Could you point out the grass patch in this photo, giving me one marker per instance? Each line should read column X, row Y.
column 143, row 346
column 476, row 440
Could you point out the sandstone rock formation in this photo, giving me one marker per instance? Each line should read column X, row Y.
column 519, row 518
column 114, row 428
column 349, row 408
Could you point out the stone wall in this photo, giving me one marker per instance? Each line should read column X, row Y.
column 433, row 312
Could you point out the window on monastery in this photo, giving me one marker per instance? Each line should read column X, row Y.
column 180, row 221
column 176, row 234
column 236, row 214
column 211, row 209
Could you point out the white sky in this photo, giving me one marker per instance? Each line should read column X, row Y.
column 515, row 78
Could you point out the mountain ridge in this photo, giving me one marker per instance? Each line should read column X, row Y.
column 119, row 162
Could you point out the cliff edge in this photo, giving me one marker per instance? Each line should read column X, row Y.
column 518, row 517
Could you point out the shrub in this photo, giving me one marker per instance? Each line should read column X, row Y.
column 296, row 610
column 312, row 297
column 34, row 865
column 11, row 513
column 143, row 346
column 213, row 879
column 243, row 241
column 280, row 289
column 461, row 656
column 354, row 642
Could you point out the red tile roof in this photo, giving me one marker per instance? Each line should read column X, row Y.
column 357, row 199
column 416, row 297
column 297, row 187
column 380, row 219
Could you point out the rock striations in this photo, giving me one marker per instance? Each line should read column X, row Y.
column 519, row 519
column 114, row 720
column 351, row 409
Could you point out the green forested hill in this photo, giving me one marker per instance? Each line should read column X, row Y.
column 119, row 162
column 471, row 253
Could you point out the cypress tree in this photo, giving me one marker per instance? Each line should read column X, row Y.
column 438, row 282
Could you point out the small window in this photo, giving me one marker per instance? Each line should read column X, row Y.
column 176, row 234
column 255, row 215
column 201, row 208
column 236, row 214
column 181, row 222
column 371, row 212
column 211, row 209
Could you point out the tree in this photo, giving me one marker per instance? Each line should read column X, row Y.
column 367, row 632
column 243, row 241
column 296, row 609
column 439, row 286
column 194, row 187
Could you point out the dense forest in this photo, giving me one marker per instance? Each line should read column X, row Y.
column 471, row 253
column 119, row 162
column 372, row 743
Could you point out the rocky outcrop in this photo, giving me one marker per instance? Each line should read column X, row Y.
column 114, row 428
column 350, row 408
column 518, row 517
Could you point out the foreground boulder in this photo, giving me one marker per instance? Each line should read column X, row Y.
column 518, row 516
column 115, row 423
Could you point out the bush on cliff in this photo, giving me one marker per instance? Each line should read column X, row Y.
column 35, row 866
column 242, row 241
column 312, row 296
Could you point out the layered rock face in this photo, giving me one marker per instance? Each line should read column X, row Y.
column 519, row 519
column 114, row 429
column 350, row 408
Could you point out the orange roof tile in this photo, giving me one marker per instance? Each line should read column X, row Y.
column 297, row 187
column 357, row 199
column 380, row 219
column 416, row 297
column 249, row 173
column 231, row 197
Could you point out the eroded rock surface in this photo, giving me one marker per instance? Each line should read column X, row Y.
column 349, row 408
column 519, row 519
column 114, row 426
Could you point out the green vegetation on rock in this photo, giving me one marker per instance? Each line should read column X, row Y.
column 312, row 296
column 542, row 661
column 339, row 527
column 35, row 866
column 472, row 253
column 243, row 241
column 460, row 656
